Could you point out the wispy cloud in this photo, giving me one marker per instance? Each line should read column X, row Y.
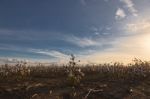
column 10, row 34
column 6, row 32
column 83, row 2
column 130, row 5
column 99, row 31
column 120, row 14
column 123, row 51
column 141, row 26
column 10, row 47
column 59, row 56
column 82, row 41
column 52, row 53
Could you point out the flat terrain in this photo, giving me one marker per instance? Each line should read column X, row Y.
column 94, row 85
column 54, row 89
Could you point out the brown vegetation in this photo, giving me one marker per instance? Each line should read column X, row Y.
column 103, row 81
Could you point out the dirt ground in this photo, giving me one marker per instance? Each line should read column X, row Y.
column 46, row 88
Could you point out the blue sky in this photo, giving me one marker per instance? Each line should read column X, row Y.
column 93, row 30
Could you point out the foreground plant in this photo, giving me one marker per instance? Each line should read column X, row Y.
column 74, row 73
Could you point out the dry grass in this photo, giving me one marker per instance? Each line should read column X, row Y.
column 71, row 81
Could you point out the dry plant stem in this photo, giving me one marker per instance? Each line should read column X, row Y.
column 92, row 90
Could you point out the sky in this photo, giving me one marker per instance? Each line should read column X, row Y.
column 94, row 31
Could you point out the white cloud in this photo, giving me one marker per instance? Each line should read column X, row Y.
column 108, row 28
column 52, row 53
column 11, row 47
column 130, row 5
column 120, row 14
column 82, row 42
column 141, row 26
column 136, row 45
column 106, row 33
column 96, row 33
column 93, row 28
column 60, row 57
column 123, row 51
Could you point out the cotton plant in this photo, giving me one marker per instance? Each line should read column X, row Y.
column 74, row 73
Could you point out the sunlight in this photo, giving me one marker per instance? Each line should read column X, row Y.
column 146, row 43
column 140, row 28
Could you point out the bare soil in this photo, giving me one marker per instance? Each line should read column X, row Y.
column 91, row 87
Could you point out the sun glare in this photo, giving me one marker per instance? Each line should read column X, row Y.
column 146, row 43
